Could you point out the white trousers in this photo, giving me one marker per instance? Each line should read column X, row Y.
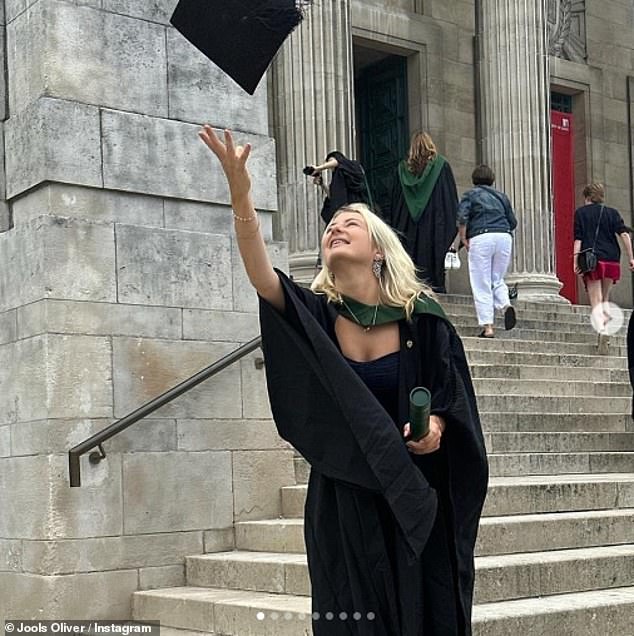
column 489, row 258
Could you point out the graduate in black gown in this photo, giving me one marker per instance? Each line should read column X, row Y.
column 348, row 183
column 390, row 522
column 424, row 208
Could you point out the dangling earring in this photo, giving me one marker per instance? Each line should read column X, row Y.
column 377, row 267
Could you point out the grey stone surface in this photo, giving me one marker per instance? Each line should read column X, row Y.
column 254, row 394
column 199, row 486
column 118, row 61
column 56, row 257
column 96, row 595
column 10, row 555
column 107, row 319
column 58, row 436
column 224, row 326
column 5, row 440
column 166, row 576
column 91, row 204
column 8, row 327
column 109, row 553
column 257, row 479
column 197, row 217
column 39, row 504
column 53, row 140
column 157, row 10
column 200, row 92
column 219, row 540
column 238, row 434
column 245, row 298
column 173, row 268
column 144, row 369
column 162, row 157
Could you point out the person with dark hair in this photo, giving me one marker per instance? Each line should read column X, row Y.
column 391, row 518
column 424, row 208
column 486, row 222
column 596, row 228
column 348, row 183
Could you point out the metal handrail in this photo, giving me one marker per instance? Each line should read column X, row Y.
column 99, row 438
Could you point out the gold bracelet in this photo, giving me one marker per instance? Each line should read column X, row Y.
column 250, row 234
column 245, row 219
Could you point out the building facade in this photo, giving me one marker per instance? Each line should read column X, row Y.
column 119, row 276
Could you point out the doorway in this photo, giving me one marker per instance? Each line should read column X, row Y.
column 381, row 95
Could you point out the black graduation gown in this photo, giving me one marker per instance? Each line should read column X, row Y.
column 374, row 541
column 630, row 354
column 347, row 185
column 428, row 239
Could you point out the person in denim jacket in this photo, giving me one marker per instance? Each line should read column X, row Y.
column 486, row 222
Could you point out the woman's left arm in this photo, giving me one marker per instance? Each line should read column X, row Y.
column 627, row 244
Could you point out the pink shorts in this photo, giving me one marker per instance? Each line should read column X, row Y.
column 604, row 269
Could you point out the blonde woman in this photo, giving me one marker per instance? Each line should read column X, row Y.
column 424, row 208
column 597, row 227
column 390, row 522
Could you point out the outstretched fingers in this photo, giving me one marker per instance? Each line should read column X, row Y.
column 212, row 141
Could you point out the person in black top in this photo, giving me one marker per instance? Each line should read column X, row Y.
column 390, row 521
column 593, row 216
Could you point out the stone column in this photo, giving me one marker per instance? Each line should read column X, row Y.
column 313, row 113
column 515, row 87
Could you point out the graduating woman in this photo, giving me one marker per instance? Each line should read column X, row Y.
column 424, row 208
column 390, row 522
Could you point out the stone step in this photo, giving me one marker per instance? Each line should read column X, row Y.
column 546, row 404
column 551, row 388
column 234, row 613
column 562, row 338
column 534, row 462
column 544, row 372
column 558, row 442
column 597, row 613
column 551, row 359
column 505, row 421
column 529, row 494
column 530, row 345
column 497, row 535
column 500, row 577
column 516, row 464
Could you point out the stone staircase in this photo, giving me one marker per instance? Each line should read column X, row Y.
column 555, row 552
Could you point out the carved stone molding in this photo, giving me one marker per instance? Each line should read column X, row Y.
column 567, row 29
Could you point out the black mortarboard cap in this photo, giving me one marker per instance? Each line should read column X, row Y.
column 240, row 36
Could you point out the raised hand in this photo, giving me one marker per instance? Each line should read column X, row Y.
column 233, row 160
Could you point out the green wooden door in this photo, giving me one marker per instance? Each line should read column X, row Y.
column 382, row 124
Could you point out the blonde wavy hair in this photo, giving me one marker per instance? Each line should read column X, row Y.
column 399, row 285
column 422, row 150
column 595, row 192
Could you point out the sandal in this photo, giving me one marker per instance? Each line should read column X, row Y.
column 510, row 318
column 484, row 334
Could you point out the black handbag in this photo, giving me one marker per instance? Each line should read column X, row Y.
column 587, row 260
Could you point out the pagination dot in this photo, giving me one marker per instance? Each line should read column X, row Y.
column 260, row 616
column 371, row 616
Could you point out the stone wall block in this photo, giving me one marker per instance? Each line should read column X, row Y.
column 245, row 298
column 60, row 316
column 117, row 61
column 78, row 377
column 90, row 204
column 8, row 327
column 52, row 140
column 109, row 553
column 166, row 576
column 10, row 555
column 156, row 11
column 255, row 400
column 98, row 595
column 173, row 268
column 5, row 440
column 59, row 435
column 23, row 381
column 166, row 158
column 167, row 492
column 225, row 326
column 199, row 91
column 257, row 478
column 219, row 540
column 39, row 504
column 144, row 369
column 197, row 435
